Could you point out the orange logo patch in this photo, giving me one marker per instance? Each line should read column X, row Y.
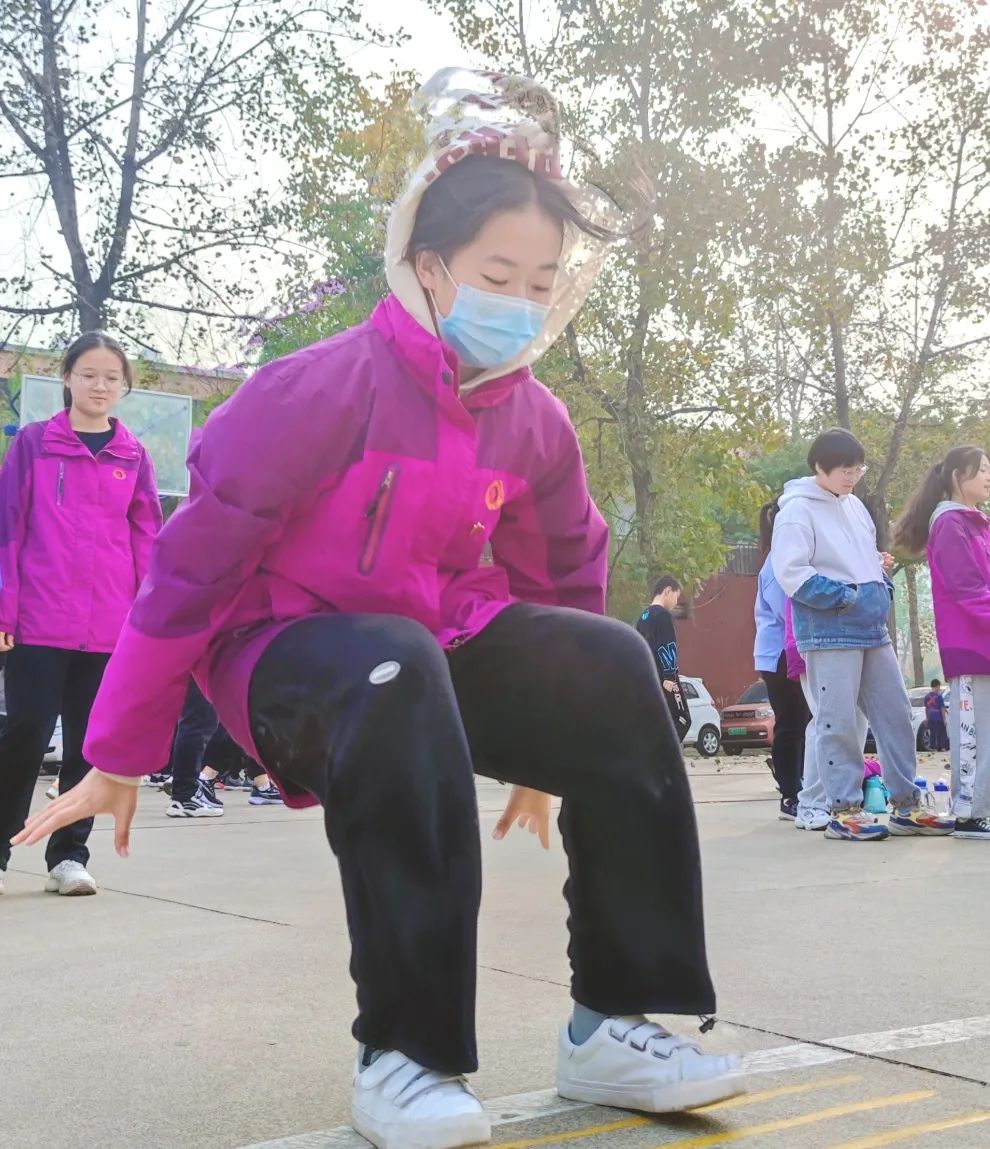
column 119, row 474
column 495, row 495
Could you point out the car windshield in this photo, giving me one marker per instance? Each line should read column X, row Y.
column 755, row 693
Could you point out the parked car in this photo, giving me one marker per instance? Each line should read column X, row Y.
column 705, row 732
column 922, row 735
column 748, row 724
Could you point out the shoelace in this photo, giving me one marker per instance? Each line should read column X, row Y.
column 646, row 1036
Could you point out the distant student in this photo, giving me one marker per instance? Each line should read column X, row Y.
column 825, row 557
column 656, row 625
column 945, row 514
column 936, row 715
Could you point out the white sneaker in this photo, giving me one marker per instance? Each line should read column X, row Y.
column 52, row 792
column 71, row 879
column 632, row 1063
column 1, row 881
column 812, row 820
column 198, row 806
column 397, row 1104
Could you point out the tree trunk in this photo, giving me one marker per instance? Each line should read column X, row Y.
column 917, row 655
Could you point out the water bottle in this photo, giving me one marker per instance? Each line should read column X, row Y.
column 927, row 800
column 942, row 796
column 874, row 796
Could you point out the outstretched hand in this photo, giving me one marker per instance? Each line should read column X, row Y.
column 529, row 809
column 95, row 794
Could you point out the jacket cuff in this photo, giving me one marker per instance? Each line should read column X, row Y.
column 123, row 779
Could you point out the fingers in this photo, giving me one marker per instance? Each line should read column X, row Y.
column 502, row 826
column 122, row 833
column 62, row 812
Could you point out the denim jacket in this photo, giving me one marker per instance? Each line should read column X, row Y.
column 830, row 615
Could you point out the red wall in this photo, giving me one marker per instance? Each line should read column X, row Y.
column 716, row 642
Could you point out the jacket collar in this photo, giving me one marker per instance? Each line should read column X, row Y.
column 428, row 360
column 61, row 439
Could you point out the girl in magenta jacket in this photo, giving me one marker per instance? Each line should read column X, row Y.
column 78, row 512
column 400, row 581
column 945, row 516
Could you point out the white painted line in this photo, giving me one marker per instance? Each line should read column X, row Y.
column 798, row 1055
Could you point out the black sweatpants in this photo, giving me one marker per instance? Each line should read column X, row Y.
column 197, row 725
column 40, row 683
column 791, row 718
column 368, row 714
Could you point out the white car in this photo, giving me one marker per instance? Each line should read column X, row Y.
column 706, row 726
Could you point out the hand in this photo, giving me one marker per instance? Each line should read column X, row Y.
column 887, row 561
column 95, row 794
column 6, row 642
column 670, row 686
column 526, row 808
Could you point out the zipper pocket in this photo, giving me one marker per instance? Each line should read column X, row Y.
column 61, row 484
column 377, row 515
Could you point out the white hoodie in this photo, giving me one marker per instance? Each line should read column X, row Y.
column 818, row 533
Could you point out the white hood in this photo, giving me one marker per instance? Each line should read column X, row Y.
column 469, row 113
column 818, row 533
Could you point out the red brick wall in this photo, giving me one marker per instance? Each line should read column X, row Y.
column 716, row 642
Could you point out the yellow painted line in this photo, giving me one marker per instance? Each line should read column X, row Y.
column 909, row 1132
column 783, row 1091
column 641, row 1122
column 797, row 1122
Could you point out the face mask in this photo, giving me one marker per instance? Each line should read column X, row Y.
column 489, row 330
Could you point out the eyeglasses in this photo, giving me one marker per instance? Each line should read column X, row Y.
column 854, row 472
column 91, row 379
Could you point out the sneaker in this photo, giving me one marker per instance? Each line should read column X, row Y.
column 208, row 794
column 788, row 809
column 235, row 782
column 198, row 806
column 397, row 1104
column 160, row 780
column 917, row 821
column 71, row 879
column 52, row 791
column 1, row 881
column 856, row 826
column 632, row 1063
column 975, row 829
column 267, row 797
column 812, row 819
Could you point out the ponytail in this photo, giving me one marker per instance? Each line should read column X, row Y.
column 768, row 512
column 911, row 531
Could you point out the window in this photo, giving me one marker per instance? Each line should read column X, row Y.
column 689, row 690
column 755, row 693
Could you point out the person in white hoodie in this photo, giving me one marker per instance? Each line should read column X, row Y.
column 824, row 555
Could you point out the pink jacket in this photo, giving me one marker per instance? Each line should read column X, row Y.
column 352, row 477
column 75, row 535
column 959, row 559
column 795, row 663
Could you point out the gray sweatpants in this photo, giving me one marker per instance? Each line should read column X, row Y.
column 812, row 797
column 969, row 743
column 841, row 680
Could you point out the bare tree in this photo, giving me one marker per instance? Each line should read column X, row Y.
column 145, row 145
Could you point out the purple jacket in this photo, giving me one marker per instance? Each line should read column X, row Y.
column 795, row 663
column 351, row 477
column 75, row 535
column 959, row 558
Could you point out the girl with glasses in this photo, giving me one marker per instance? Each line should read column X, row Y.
column 78, row 512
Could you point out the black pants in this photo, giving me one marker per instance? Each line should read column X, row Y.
column 791, row 718
column 42, row 682
column 197, row 725
column 938, row 734
column 226, row 757
column 368, row 714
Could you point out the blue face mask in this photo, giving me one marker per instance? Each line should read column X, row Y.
column 489, row 330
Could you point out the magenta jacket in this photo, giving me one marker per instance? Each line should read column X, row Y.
column 349, row 477
column 75, row 535
column 795, row 663
column 959, row 559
